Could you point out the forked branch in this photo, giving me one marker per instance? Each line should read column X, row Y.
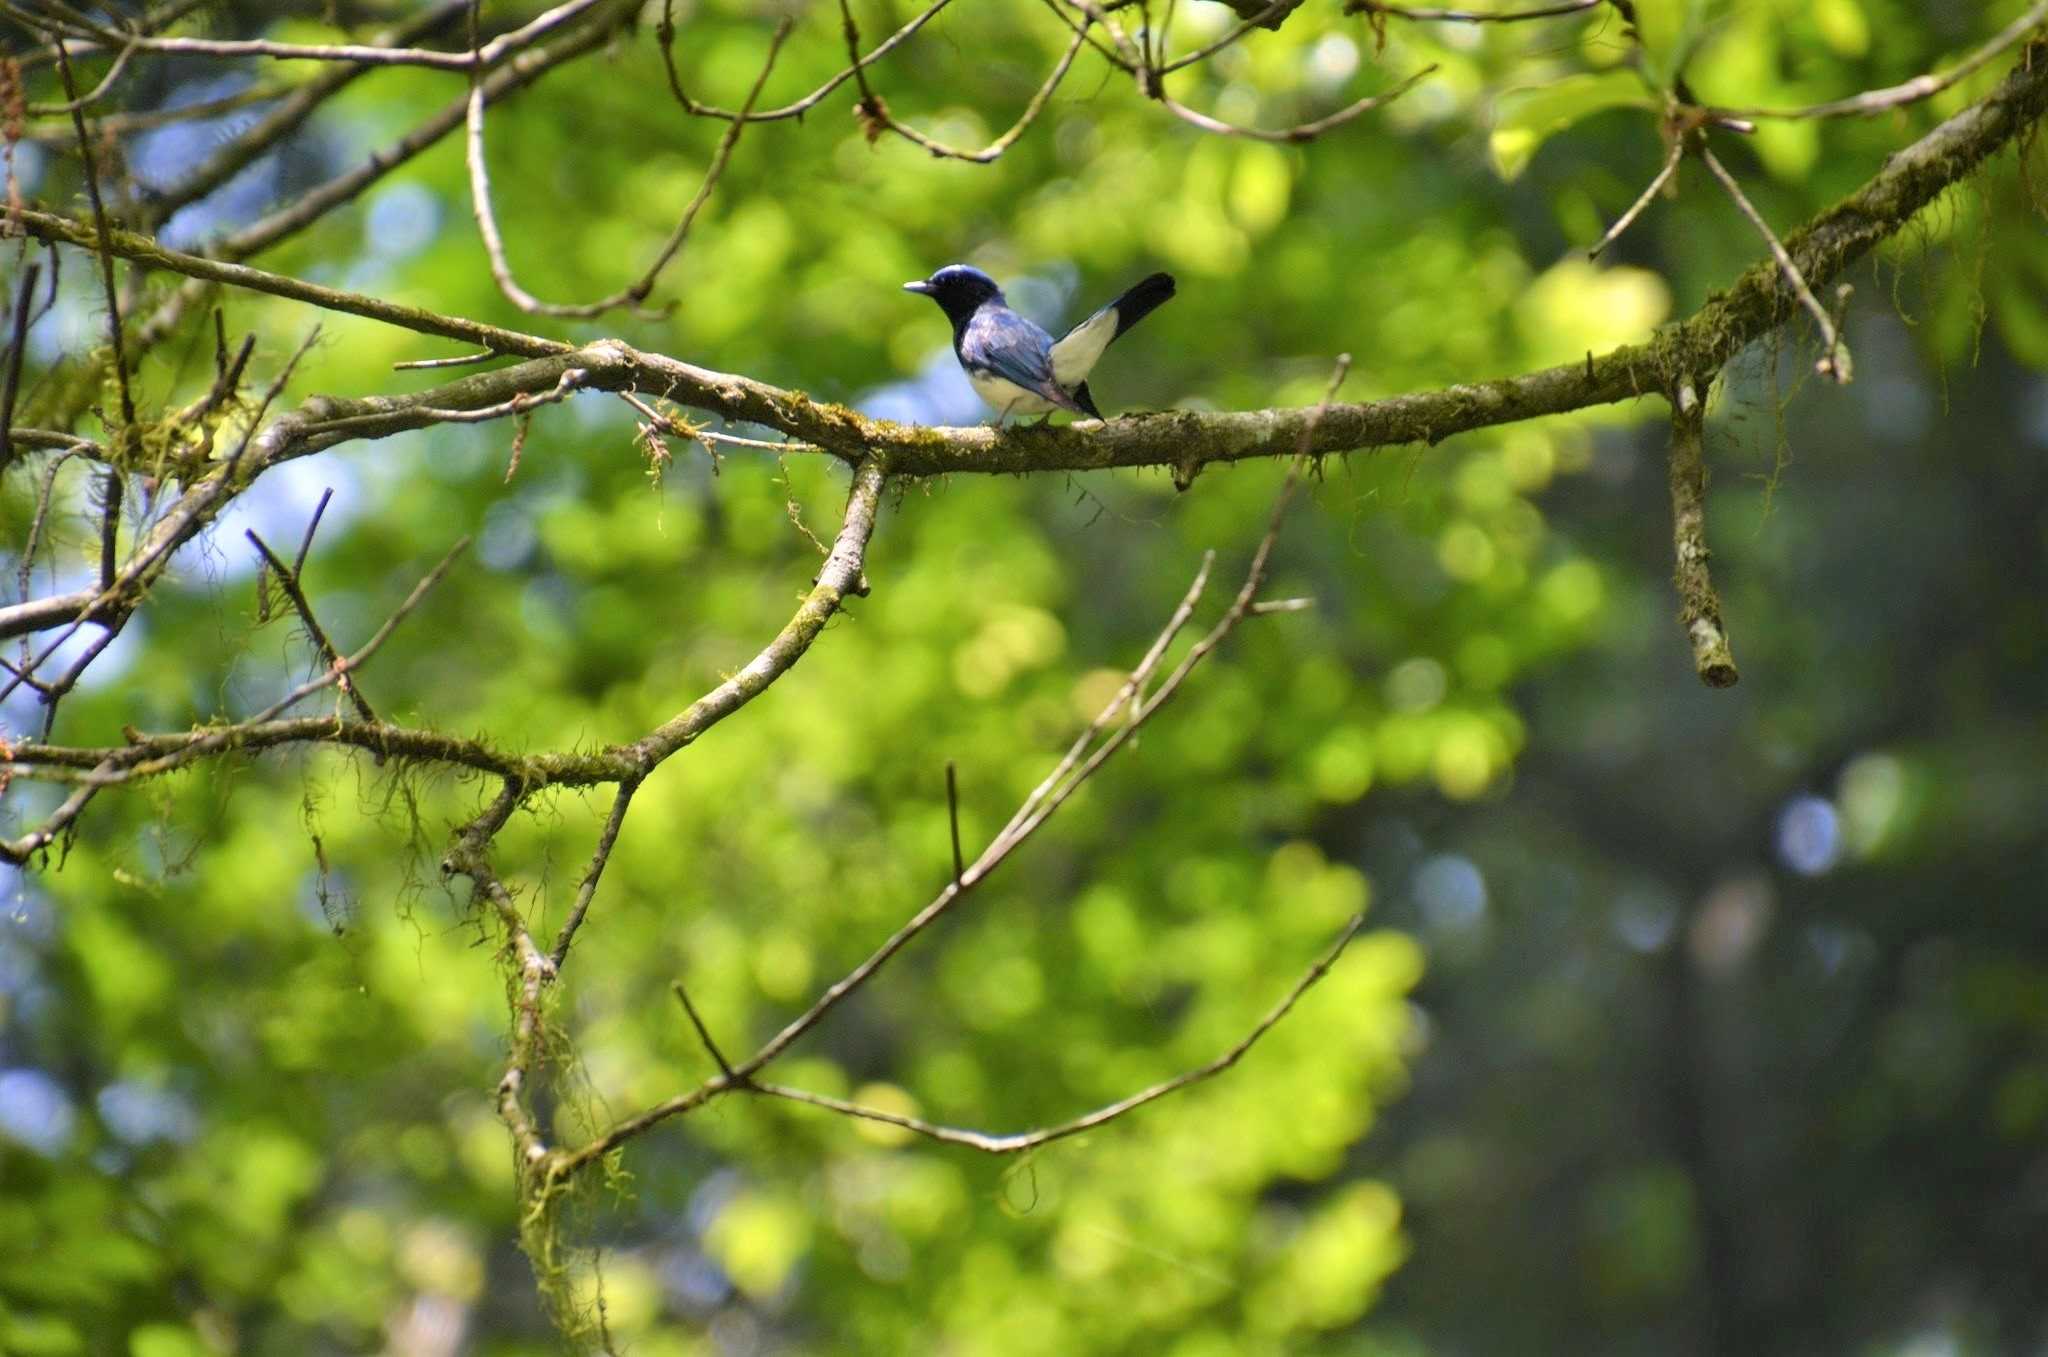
column 1111, row 730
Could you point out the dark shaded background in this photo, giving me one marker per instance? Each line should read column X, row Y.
column 1737, row 1008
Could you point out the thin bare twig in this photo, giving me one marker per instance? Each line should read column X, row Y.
column 504, row 81
column 665, row 32
column 1674, row 153
column 1080, row 763
column 635, row 292
column 290, row 114
column 704, row 1033
column 1081, row 28
column 876, row 118
column 312, row 526
column 144, row 120
column 145, row 761
column 288, row 578
column 1279, row 9
column 1101, row 1116
column 565, row 386
column 587, row 888
column 1301, row 132
column 458, row 361
column 17, row 348
column 953, row 818
column 353, row 54
column 1374, row 9
column 1129, row 55
column 154, row 21
column 1873, row 102
column 114, row 484
column 80, row 102
column 1834, row 360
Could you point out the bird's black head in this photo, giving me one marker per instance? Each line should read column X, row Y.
column 959, row 290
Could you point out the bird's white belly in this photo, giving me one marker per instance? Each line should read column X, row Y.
column 1007, row 397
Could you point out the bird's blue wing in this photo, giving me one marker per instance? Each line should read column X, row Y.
column 1005, row 344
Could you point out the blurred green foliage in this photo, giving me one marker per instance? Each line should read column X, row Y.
column 269, row 1033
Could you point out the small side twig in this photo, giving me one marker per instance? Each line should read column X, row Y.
column 1672, row 155
column 725, row 1069
column 1101, row 1116
column 636, row 292
column 461, row 360
column 1870, row 103
column 876, row 118
column 665, row 33
column 1265, row 18
column 1699, row 607
column 607, row 839
column 17, row 346
column 1300, row 132
column 571, row 380
column 288, row 579
column 114, row 485
column 1112, row 729
column 185, row 749
column 1834, row 359
column 1374, row 9
column 350, row 55
column 953, row 818
column 17, row 852
column 312, row 526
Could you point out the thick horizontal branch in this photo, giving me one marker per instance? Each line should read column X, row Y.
column 1183, row 440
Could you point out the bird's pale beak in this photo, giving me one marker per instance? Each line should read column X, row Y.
column 920, row 287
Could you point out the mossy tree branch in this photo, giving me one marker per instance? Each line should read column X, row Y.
column 1184, row 441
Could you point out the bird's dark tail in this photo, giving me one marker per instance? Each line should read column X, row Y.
column 1080, row 393
column 1142, row 299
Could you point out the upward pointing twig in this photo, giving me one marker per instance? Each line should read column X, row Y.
column 288, row 577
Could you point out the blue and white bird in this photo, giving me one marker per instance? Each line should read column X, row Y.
column 1013, row 364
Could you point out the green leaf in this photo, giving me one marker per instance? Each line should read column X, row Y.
column 1668, row 30
column 1525, row 119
